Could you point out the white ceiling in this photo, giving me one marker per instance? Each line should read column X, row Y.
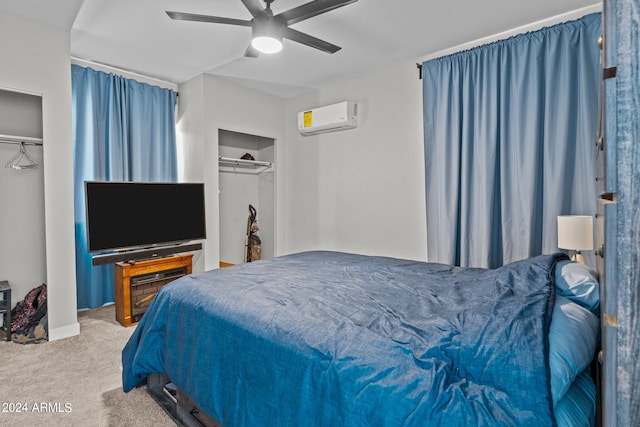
column 137, row 35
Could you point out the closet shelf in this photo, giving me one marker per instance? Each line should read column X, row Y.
column 228, row 161
column 15, row 139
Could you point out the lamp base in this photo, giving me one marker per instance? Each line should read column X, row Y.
column 577, row 257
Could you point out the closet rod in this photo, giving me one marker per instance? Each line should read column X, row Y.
column 239, row 162
column 26, row 140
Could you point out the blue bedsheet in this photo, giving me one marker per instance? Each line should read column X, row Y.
column 335, row 339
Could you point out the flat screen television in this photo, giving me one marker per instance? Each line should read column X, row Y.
column 134, row 215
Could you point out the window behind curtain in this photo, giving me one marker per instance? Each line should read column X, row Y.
column 124, row 130
column 509, row 143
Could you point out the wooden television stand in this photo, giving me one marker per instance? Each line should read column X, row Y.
column 136, row 283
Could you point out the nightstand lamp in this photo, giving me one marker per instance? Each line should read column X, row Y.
column 575, row 232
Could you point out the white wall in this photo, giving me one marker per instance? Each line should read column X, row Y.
column 36, row 59
column 190, row 146
column 267, row 202
column 360, row 190
column 207, row 104
column 22, row 223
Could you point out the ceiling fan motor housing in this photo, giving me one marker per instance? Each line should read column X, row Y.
column 267, row 34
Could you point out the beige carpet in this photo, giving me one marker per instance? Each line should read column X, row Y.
column 75, row 381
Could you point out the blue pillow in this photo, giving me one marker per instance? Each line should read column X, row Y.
column 573, row 335
column 578, row 407
column 579, row 283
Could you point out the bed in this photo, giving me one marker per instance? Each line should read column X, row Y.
column 327, row 338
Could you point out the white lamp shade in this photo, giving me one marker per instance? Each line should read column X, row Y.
column 575, row 232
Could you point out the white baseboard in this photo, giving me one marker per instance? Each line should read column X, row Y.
column 64, row 332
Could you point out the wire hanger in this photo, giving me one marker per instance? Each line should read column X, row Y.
column 20, row 156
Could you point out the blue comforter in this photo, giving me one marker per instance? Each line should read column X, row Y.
column 334, row 339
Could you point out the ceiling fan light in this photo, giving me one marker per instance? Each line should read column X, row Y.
column 267, row 44
column 267, row 35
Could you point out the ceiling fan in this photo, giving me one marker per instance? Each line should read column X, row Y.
column 269, row 29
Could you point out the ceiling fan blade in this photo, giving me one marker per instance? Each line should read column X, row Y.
column 180, row 16
column 308, row 40
column 254, row 6
column 251, row 52
column 310, row 10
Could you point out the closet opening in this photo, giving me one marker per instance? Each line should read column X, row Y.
column 246, row 186
column 23, row 266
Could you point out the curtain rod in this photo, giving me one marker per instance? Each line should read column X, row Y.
column 533, row 26
column 125, row 73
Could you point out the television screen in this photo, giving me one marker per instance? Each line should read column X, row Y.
column 127, row 215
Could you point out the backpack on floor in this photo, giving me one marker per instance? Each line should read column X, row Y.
column 28, row 312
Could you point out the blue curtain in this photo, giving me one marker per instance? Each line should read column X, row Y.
column 124, row 130
column 509, row 136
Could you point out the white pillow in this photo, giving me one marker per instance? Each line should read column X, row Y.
column 579, row 283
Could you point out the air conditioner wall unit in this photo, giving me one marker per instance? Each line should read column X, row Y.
column 330, row 118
